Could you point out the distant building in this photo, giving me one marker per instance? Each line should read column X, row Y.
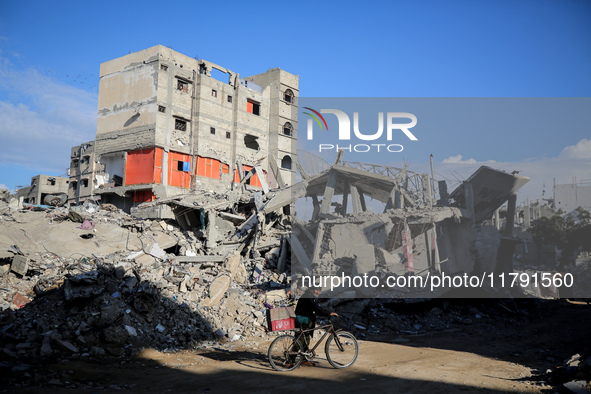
column 86, row 175
column 45, row 190
column 169, row 124
column 569, row 197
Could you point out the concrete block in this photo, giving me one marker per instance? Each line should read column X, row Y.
column 217, row 289
column 20, row 265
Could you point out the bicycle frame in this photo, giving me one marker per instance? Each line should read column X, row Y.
column 330, row 330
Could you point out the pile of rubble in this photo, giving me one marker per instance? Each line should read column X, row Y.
column 94, row 280
column 573, row 376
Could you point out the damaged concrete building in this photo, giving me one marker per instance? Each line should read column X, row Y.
column 85, row 173
column 169, row 124
column 45, row 190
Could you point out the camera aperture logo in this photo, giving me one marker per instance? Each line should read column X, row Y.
column 344, row 132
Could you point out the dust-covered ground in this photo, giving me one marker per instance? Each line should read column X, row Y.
column 524, row 350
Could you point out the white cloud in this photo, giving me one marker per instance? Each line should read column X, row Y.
column 42, row 118
column 3, row 186
column 582, row 150
column 458, row 160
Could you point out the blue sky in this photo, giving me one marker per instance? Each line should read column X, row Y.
column 50, row 53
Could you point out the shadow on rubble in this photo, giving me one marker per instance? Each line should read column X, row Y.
column 536, row 333
column 107, row 311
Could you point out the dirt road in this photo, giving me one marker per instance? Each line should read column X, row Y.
column 483, row 357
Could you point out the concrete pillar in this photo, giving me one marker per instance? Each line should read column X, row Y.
column 390, row 204
column 427, row 195
column 469, row 200
column 398, row 199
column 511, row 204
column 526, row 215
column 329, row 191
column 355, row 200
column 316, row 210
column 497, row 220
column 444, row 195
column 362, row 200
column 345, row 197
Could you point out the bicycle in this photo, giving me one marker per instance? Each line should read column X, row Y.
column 286, row 353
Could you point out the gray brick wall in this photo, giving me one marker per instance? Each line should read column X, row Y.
column 126, row 140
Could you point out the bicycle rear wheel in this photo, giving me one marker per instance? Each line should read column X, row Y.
column 285, row 353
column 341, row 350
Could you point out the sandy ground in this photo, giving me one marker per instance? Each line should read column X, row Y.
column 481, row 357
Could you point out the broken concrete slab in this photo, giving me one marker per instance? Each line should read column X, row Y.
column 200, row 259
column 220, row 285
column 20, row 265
column 490, row 189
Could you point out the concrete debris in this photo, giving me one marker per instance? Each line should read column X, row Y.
column 209, row 274
column 573, row 376
column 20, row 265
column 134, row 283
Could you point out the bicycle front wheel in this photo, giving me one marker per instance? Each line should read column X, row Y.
column 285, row 353
column 341, row 350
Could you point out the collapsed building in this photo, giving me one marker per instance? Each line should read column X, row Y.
column 93, row 281
column 413, row 233
column 170, row 124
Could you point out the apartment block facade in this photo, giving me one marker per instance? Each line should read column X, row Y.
column 169, row 124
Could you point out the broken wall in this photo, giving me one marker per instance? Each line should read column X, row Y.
column 455, row 242
column 127, row 88
column 42, row 186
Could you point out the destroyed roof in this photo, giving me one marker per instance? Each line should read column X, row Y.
column 491, row 188
column 372, row 185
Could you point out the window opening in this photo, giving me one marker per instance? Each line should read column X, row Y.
column 164, row 67
column 219, row 75
column 85, row 183
column 253, row 107
column 288, row 96
column 228, row 134
column 287, row 128
column 286, row 162
column 212, row 130
column 250, row 141
column 229, row 99
column 182, row 85
column 180, row 124
column 214, row 92
column 161, row 108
